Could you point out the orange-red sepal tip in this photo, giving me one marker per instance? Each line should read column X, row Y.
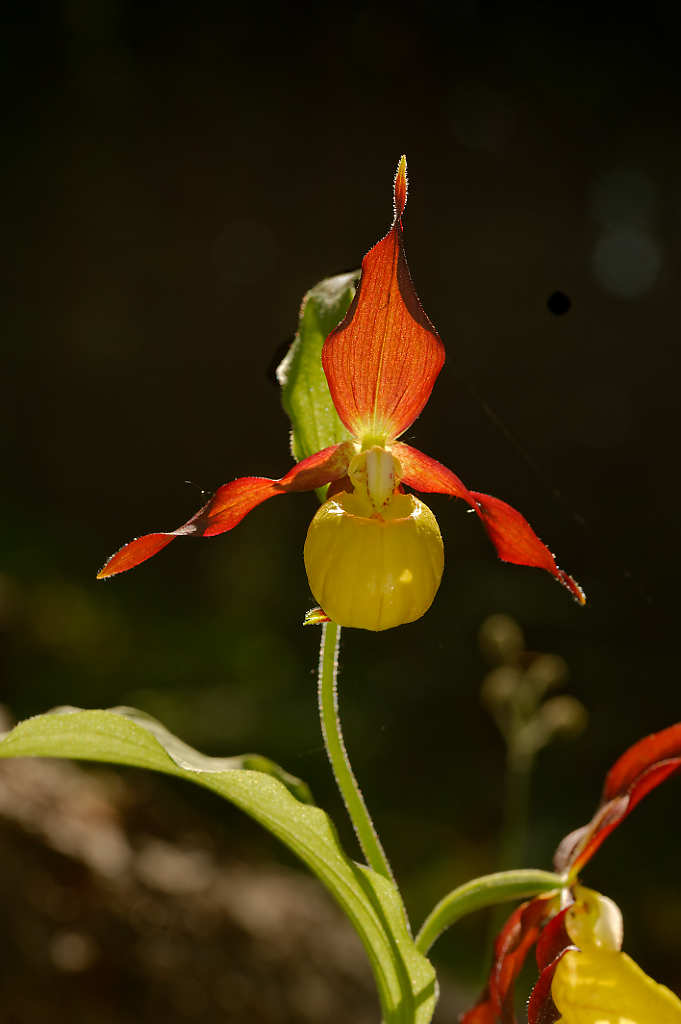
column 639, row 770
column 401, row 187
column 138, row 550
column 232, row 502
column 511, row 534
column 382, row 360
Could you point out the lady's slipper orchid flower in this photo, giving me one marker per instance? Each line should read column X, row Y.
column 373, row 554
column 585, row 978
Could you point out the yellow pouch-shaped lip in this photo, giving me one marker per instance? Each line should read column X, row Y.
column 606, row 987
column 374, row 571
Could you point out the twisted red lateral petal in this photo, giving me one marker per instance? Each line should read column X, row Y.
column 541, row 1008
column 554, row 939
column 382, row 360
column 232, row 502
column 553, row 943
column 511, row 947
column 513, row 537
column 483, row 1013
column 639, row 770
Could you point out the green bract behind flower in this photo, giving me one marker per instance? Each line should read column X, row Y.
column 305, row 394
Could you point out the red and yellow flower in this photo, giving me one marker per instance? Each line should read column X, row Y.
column 373, row 554
column 585, row 978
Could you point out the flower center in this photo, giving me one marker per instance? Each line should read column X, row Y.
column 375, row 475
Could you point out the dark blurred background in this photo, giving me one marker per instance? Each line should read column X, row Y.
column 176, row 176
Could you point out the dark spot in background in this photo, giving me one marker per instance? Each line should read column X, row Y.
column 559, row 303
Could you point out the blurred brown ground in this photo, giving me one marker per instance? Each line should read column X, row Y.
column 106, row 920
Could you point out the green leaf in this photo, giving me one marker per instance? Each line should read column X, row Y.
column 405, row 979
column 304, row 391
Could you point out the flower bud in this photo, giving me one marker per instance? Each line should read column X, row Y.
column 374, row 570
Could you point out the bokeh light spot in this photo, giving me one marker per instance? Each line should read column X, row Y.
column 627, row 260
column 624, row 195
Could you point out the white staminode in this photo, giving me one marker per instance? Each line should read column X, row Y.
column 594, row 920
column 380, row 476
column 375, row 473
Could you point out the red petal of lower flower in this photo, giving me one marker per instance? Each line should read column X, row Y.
column 553, row 942
column 511, row 534
column 232, row 502
column 639, row 770
column 630, row 769
column 541, row 1008
column 382, row 360
column 554, row 939
column 483, row 1013
column 511, row 947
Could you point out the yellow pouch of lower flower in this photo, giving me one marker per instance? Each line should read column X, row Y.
column 597, row 983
